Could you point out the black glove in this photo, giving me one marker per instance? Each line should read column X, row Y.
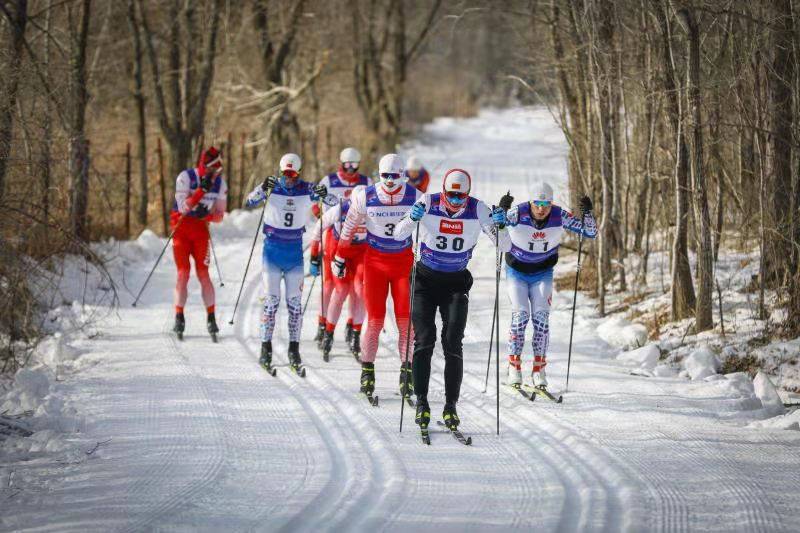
column 207, row 181
column 200, row 211
column 269, row 183
column 315, row 260
column 586, row 205
column 321, row 191
column 506, row 201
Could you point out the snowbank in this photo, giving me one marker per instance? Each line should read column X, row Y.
column 766, row 392
column 619, row 332
column 701, row 363
column 644, row 358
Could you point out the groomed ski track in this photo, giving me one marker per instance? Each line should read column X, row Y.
column 203, row 438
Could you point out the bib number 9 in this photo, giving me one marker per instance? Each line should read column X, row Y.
column 288, row 220
column 442, row 243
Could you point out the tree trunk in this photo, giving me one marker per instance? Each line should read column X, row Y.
column 682, row 291
column 138, row 97
column 9, row 81
column 705, row 253
column 79, row 145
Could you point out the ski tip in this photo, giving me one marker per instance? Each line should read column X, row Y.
column 560, row 399
column 273, row 372
column 469, row 441
column 303, row 373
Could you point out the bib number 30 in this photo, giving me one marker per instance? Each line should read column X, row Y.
column 442, row 243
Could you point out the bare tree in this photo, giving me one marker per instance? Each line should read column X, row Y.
column 16, row 13
column 141, row 123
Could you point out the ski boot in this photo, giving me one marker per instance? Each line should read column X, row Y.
column 538, row 375
column 180, row 325
column 355, row 345
column 450, row 416
column 295, row 363
column 368, row 378
column 326, row 345
column 211, row 324
column 423, row 417
column 348, row 333
column 514, row 371
column 406, row 382
column 320, row 333
column 266, row 357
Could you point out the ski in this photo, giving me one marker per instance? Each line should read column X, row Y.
column 271, row 371
column 544, row 393
column 326, row 356
column 179, row 334
column 214, row 338
column 466, row 441
column 426, row 436
column 525, row 394
column 300, row 370
column 373, row 400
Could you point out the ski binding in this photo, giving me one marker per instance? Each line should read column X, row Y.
column 466, row 441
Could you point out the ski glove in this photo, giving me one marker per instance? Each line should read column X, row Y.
column 586, row 205
column 506, row 201
column 417, row 212
column 338, row 267
column 200, row 211
column 314, row 263
column 499, row 217
column 207, row 181
column 269, row 183
column 321, row 191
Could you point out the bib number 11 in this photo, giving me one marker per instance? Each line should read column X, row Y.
column 531, row 246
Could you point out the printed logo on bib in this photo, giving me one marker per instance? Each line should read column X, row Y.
column 289, row 205
column 451, row 227
column 539, row 235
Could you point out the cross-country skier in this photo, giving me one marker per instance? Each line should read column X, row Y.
column 288, row 209
column 339, row 184
column 450, row 223
column 536, row 228
column 349, row 285
column 201, row 197
column 388, row 262
column 417, row 175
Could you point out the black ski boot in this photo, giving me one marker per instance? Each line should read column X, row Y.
column 348, row 333
column 423, row 417
column 266, row 357
column 295, row 363
column 326, row 345
column 450, row 416
column 406, row 386
column 180, row 325
column 368, row 378
column 320, row 333
column 211, row 324
column 355, row 345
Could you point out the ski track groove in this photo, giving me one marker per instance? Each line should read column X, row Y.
column 521, row 471
column 213, row 465
column 334, row 491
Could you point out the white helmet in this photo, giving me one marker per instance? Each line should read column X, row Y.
column 542, row 192
column 291, row 162
column 390, row 164
column 456, row 181
column 414, row 164
column 350, row 155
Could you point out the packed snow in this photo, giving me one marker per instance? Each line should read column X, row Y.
column 115, row 425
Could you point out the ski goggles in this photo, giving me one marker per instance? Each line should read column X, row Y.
column 390, row 176
column 291, row 174
column 455, row 197
column 350, row 166
column 542, row 203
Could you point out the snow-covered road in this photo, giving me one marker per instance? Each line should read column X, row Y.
column 202, row 438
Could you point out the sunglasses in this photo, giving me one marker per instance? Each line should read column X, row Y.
column 453, row 195
column 390, row 176
column 349, row 166
column 541, row 203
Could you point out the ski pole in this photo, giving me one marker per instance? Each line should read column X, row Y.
column 216, row 263
column 498, row 264
column 146, row 281
column 574, row 300
column 489, row 359
column 310, row 290
column 247, row 267
column 408, row 329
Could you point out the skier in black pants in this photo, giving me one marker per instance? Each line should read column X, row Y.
column 450, row 224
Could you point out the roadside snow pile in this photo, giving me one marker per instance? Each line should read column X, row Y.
column 790, row 421
column 619, row 332
column 701, row 363
column 644, row 358
column 766, row 392
column 34, row 394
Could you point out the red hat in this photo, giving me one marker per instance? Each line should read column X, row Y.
column 210, row 158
